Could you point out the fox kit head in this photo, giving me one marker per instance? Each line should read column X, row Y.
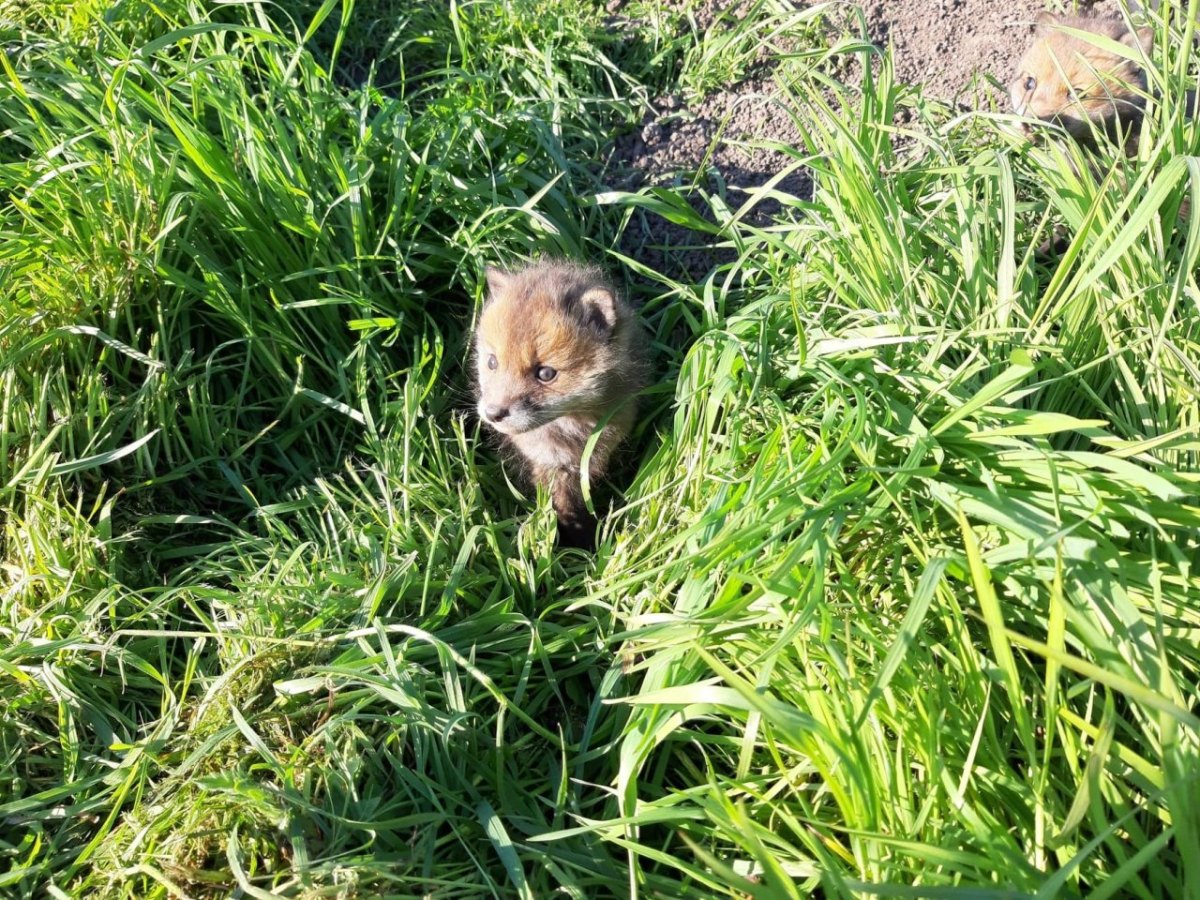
column 553, row 340
column 1075, row 83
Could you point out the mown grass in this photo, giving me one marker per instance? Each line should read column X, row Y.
column 899, row 597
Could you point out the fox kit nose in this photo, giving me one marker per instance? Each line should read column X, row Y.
column 495, row 413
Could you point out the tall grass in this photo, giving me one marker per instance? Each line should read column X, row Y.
column 899, row 597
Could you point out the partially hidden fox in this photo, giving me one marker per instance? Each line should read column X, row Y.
column 1080, row 85
column 1085, row 87
column 557, row 351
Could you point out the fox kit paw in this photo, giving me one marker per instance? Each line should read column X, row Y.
column 577, row 531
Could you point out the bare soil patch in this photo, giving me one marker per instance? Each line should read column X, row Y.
column 943, row 44
column 673, row 143
column 946, row 46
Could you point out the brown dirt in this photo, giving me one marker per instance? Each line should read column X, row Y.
column 940, row 44
column 944, row 44
column 671, row 145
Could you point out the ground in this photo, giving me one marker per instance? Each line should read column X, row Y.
column 954, row 49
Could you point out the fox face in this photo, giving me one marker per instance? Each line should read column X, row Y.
column 548, row 345
column 1077, row 84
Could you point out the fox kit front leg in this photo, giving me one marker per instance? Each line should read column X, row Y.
column 576, row 526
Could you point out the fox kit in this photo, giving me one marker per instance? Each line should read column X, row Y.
column 556, row 351
column 1075, row 83
column 1085, row 88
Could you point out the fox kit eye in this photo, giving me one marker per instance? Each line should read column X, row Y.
column 1030, row 83
column 545, row 374
column 491, row 362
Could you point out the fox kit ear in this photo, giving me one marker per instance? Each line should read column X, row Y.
column 1140, row 38
column 497, row 281
column 599, row 309
column 1045, row 22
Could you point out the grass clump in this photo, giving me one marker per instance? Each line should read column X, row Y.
column 899, row 599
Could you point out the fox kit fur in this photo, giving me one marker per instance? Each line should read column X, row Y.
column 556, row 351
column 1085, row 88
column 1074, row 83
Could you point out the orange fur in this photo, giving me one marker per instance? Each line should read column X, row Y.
column 1085, row 88
column 1075, row 83
column 564, row 318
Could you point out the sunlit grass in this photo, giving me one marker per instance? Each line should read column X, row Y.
column 899, row 592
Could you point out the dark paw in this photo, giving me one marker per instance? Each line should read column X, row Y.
column 1056, row 244
column 579, row 533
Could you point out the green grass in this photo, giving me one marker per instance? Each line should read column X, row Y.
column 899, row 596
